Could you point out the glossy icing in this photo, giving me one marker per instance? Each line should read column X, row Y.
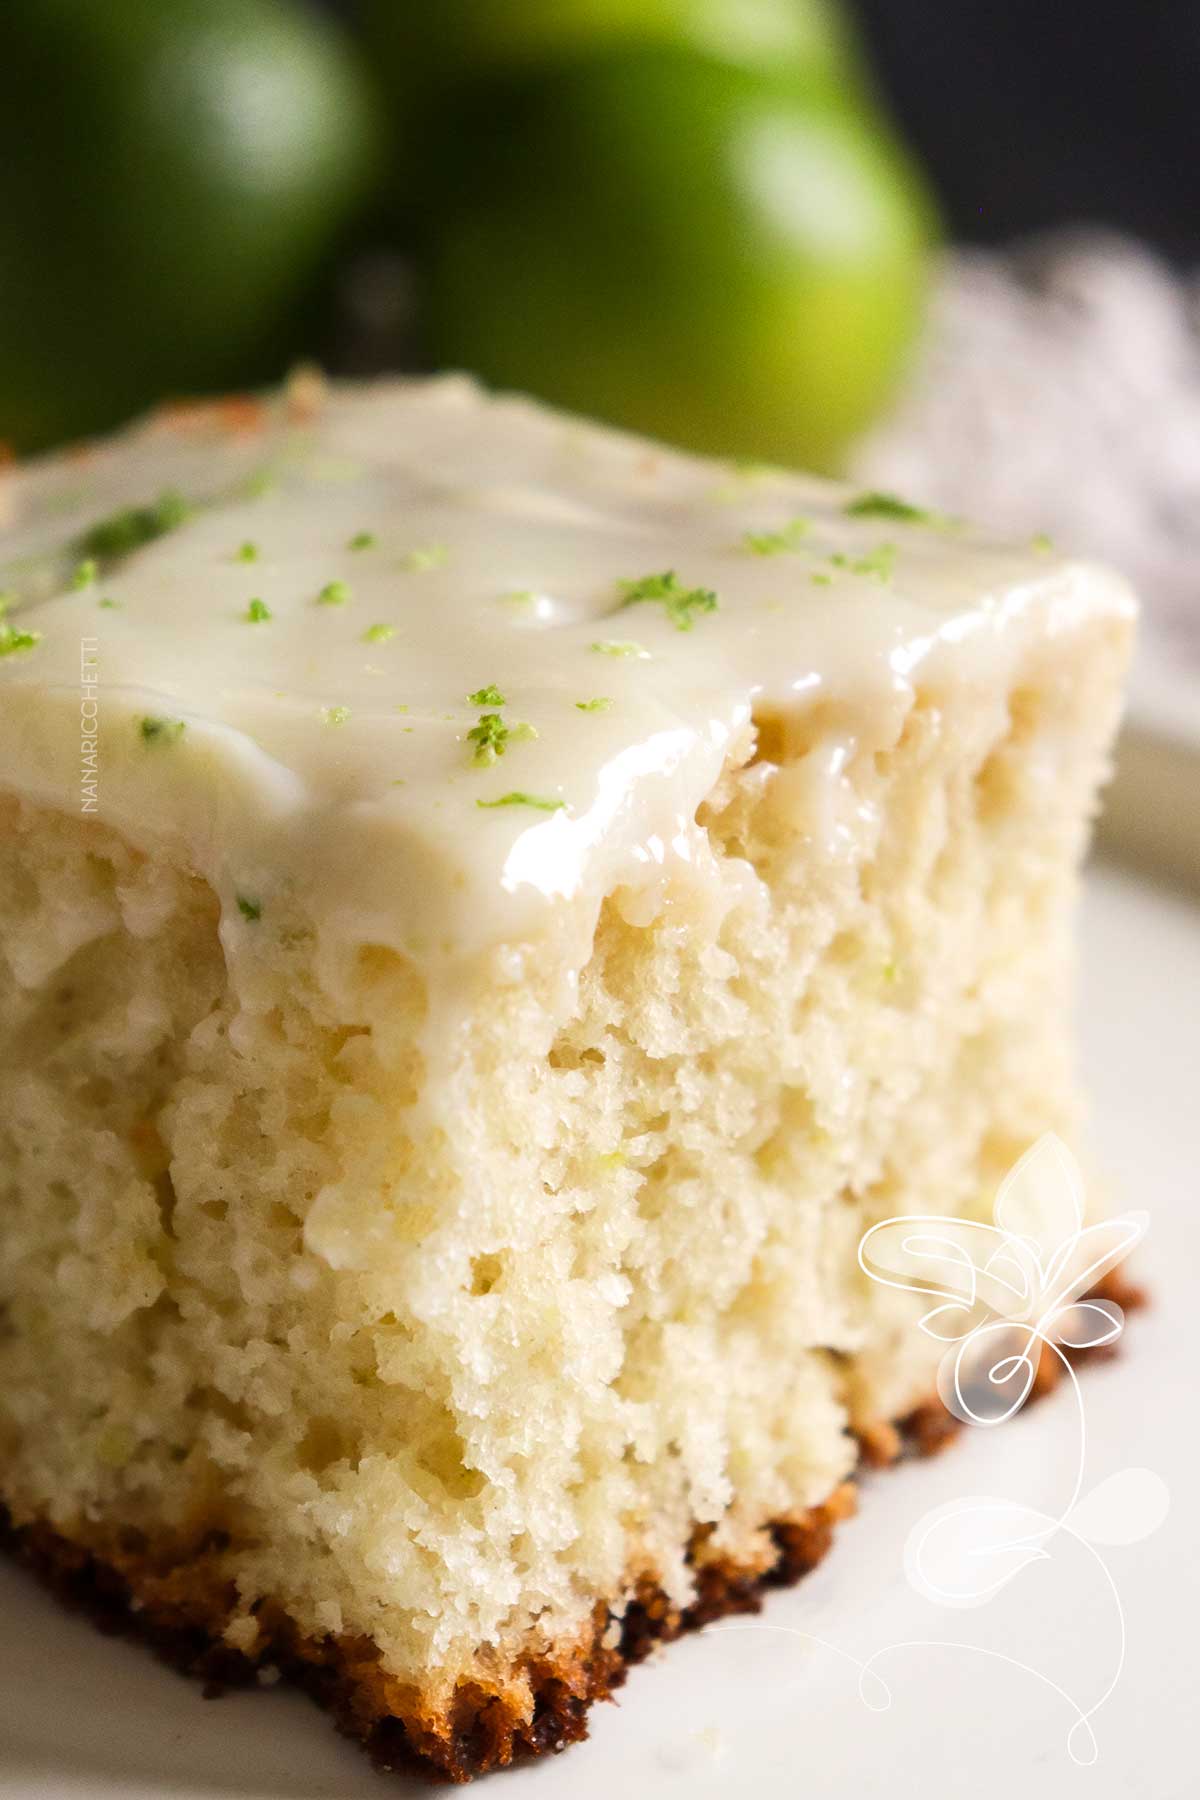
column 329, row 763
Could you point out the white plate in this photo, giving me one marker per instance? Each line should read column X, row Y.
column 1152, row 810
column 765, row 1712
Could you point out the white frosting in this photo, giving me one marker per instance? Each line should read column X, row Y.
column 371, row 824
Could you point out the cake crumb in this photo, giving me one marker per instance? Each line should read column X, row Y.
column 241, row 1633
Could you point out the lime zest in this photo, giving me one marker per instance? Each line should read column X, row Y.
column 517, row 798
column 13, row 640
column 681, row 603
column 161, row 731
column 879, row 562
column 132, row 526
column 777, row 543
column 879, row 505
column 491, row 737
column 619, row 647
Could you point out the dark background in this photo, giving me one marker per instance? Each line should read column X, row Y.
column 1032, row 113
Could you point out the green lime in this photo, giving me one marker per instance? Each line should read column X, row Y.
column 455, row 63
column 172, row 172
column 680, row 246
column 455, row 40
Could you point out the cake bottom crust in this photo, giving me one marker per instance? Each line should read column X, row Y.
column 180, row 1608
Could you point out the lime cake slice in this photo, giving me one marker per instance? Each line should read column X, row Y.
column 491, row 910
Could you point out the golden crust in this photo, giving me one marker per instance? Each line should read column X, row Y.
column 180, row 1605
column 182, row 1610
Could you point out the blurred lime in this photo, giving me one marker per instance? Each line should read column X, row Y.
column 458, row 39
column 443, row 63
column 679, row 246
column 171, row 173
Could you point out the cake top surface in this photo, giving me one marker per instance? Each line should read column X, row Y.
column 438, row 659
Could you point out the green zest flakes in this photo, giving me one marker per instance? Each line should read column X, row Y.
column 262, row 481
column 820, row 579
column 890, row 506
column 878, row 562
column 362, row 540
column 379, row 634
column 257, row 613
column 334, row 715
column 161, row 731
column 334, row 593
column 487, row 696
column 518, row 799
column 84, row 573
column 8, row 599
column 250, row 910
column 1043, row 543
column 600, row 704
column 776, row 543
column 109, row 605
column 124, row 531
column 13, row 640
column 619, row 647
column 247, row 552
column 681, row 603
column 491, row 738
column 430, row 556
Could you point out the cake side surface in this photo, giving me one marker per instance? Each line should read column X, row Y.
column 445, row 1214
column 180, row 1612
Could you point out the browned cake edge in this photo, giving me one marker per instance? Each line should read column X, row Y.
column 180, row 1607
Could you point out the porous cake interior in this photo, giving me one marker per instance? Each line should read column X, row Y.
column 435, row 1391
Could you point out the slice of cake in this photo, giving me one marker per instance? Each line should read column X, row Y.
column 491, row 911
